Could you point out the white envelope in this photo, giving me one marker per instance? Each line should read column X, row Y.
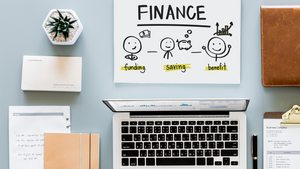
column 51, row 73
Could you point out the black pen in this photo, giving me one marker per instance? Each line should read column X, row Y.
column 254, row 150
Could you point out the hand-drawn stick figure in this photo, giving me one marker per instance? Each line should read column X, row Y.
column 167, row 45
column 217, row 47
column 132, row 45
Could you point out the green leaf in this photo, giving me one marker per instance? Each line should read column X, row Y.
column 60, row 15
column 53, row 28
column 59, row 28
column 66, row 18
column 56, row 20
column 70, row 26
column 56, row 24
column 52, row 31
column 73, row 21
column 59, row 32
column 68, row 30
column 66, row 36
column 65, row 30
column 50, row 23
column 55, row 36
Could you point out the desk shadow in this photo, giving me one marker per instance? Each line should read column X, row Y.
column 183, row 85
column 69, row 50
column 50, row 98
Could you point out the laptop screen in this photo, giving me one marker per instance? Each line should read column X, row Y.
column 177, row 105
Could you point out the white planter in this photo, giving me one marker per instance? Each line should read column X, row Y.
column 73, row 35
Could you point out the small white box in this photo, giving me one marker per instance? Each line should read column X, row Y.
column 51, row 73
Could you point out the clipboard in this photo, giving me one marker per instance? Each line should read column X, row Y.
column 289, row 118
column 273, row 115
column 280, row 139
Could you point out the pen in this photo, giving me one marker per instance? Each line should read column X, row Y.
column 254, row 150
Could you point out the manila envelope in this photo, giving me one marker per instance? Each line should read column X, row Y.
column 71, row 151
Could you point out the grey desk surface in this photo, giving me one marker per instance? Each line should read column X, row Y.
column 21, row 33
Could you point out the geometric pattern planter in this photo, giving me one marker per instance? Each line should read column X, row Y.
column 74, row 33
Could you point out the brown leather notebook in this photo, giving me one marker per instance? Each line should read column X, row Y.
column 280, row 45
column 71, row 151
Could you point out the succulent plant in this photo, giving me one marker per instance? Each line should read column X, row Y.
column 61, row 25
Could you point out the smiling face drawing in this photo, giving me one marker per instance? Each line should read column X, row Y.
column 216, row 45
column 132, row 45
column 167, row 44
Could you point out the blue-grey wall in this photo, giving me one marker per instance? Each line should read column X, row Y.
column 21, row 34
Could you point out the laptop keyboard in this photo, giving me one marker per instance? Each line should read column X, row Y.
column 179, row 143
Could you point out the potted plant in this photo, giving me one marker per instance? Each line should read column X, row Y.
column 62, row 26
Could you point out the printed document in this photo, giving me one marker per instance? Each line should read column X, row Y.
column 27, row 125
column 281, row 145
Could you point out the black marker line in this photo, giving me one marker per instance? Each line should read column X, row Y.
column 197, row 52
column 152, row 51
column 188, row 25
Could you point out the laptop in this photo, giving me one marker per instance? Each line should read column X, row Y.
column 179, row 133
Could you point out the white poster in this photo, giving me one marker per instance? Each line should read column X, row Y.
column 167, row 41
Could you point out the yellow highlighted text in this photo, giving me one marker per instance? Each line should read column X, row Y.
column 175, row 67
column 221, row 67
column 134, row 67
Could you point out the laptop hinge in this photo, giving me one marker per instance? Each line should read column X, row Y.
column 180, row 114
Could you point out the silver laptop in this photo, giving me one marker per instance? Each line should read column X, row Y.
column 179, row 133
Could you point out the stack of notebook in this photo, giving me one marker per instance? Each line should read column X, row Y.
column 69, row 151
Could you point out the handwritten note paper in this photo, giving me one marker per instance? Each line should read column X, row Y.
column 27, row 125
column 27, row 149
